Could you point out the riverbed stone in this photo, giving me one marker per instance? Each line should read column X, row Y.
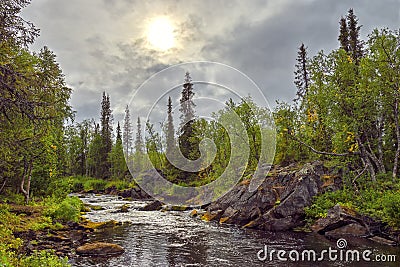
column 100, row 249
column 193, row 213
column 154, row 205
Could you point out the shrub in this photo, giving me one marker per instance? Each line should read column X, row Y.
column 44, row 258
column 119, row 185
column 68, row 210
column 77, row 186
column 391, row 208
column 60, row 188
column 322, row 203
column 94, row 184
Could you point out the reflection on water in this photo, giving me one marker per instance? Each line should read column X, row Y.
column 154, row 238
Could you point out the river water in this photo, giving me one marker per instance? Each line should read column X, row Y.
column 173, row 238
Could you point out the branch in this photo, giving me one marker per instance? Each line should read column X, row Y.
column 358, row 176
column 323, row 152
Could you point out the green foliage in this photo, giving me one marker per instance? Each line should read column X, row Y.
column 94, row 184
column 391, row 208
column 44, row 258
column 380, row 200
column 119, row 185
column 7, row 219
column 10, row 197
column 347, row 104
column 322, row 203
column 9, row 258
column 60, row 188
column 68, row 210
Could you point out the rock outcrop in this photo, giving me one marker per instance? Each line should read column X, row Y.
column 278, row 204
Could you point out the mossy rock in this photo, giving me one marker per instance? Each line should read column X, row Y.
column 100, row 225
column 251, row 224
column 93, row 207
column 208, row 216
column 179, row 208
column 223, row 220
column 100, row 249
column 193, row 213
column 123, row 208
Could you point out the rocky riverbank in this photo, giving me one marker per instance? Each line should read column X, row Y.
column 65, row 239
column 135, row 193
column 278, row 205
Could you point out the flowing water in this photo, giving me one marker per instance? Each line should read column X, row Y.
column 173, row 238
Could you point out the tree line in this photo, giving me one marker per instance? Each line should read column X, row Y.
column 92, row 150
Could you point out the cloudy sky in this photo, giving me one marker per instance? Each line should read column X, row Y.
column 115, row 45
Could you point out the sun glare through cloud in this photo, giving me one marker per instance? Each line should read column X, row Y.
column 160, row 34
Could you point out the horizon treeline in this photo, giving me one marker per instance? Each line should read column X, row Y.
column 88, row 142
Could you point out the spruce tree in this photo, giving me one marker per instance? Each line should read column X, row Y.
column 139, row 137
column 302, row 76
column 119, row 138
column 355, row 44
column 106, row 135
column 169, row 170
column 186, row 144
column 343, row 35
column 170, row 131
column 116, row 157
column 139, row 149
column 127, row 136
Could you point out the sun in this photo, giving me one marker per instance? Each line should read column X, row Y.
column 160, row 34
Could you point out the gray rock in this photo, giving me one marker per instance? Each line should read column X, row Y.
column 154, row 205
column 277, row 205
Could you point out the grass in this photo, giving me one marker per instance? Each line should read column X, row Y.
column 380, row 200
column 76, row 184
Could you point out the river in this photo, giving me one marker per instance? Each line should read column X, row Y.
column 173, row 238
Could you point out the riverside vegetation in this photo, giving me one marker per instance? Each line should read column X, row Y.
column 346, row 115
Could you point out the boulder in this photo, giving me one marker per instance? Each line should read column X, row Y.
column 123, row 208
column 352, row 229
column 193, row 213
column 154, row 205
column 100, row 249
column 339, row 217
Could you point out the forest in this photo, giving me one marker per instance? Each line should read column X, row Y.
column 346, row 113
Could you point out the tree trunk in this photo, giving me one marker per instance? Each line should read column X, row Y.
column 381, row 126
column 396, row 121
column 27, row 173
column 365, row 159
column 4, row 184
column 379, row 164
